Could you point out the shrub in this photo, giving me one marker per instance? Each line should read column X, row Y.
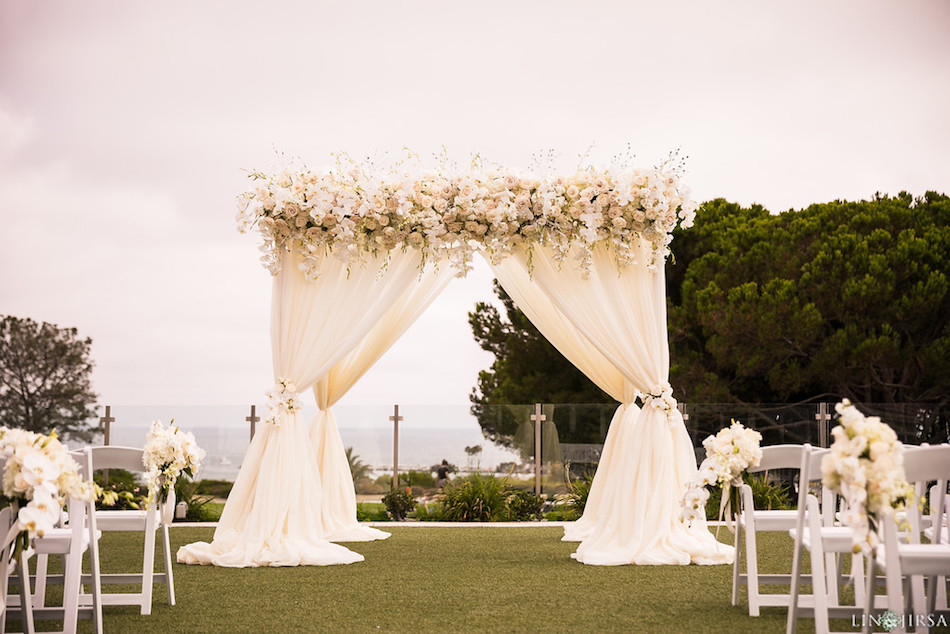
column 475, row 499
column 366, row 485
column 130, row 493
column 371, row 512
column 765, row 495
column 199, row 510
column 214, row 488
column 524, row 506
column 577, row 492
column 419, row 479
column 399, row 503
column 430, row 512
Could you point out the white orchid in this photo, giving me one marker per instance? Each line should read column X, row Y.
column 169, row 453
column 448, row 215
column 38, row 477
column 728, row 454
column 866, row 467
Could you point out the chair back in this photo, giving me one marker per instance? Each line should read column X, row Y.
column 112, row 457
column 811, row 463
column 779, row 457
column 927, row 462
column 923, row 465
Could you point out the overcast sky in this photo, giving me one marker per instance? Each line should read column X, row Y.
column 126, row 130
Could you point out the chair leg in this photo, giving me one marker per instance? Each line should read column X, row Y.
column 4, row 587
column 794, row 587
column 72, row 577
column 736, row 565
column 940, row 594
column 752, row 571
column 26, row 602
column 818, row 574
column 857, row 573
column 832, row 573
column 148, row 571
column 170, row 580
column 96, row 571
column 39, row 583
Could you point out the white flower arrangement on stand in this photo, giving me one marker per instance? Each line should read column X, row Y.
column 728, row 454
column 38, row 478
column 169, row 453
column 866, row 468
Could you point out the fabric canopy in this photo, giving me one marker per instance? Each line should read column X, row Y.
column 339, row 497
column 611, row 323
column 274, row 513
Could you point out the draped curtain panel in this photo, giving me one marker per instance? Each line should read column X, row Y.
column 274, row 513
column 612, row 326
column 339, row 497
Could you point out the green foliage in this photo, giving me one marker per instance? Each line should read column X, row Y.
column 526, row 369
column 766, row 495
column 199, row 505
column 844, row 299
column 371, row 512
column 430, row 512
column 578, row 491
column 399, row 503
column 130, row 493
column 358, row 469
column 476, row 498
column 774, row 496
column 214, row 488
column 45, row 378
column 415, row 479
column 524, row 505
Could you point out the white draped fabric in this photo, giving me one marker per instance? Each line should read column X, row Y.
column 339, row 498
column 613, row 327
column 274, row 513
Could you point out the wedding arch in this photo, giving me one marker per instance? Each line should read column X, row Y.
column 357, row 257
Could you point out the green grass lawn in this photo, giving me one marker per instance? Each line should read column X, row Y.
column 448, row 579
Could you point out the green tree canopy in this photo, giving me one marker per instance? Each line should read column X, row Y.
column 844, row 299
column 527, row 369
column 45, row 378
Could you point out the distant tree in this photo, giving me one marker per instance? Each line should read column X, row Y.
column 358, row 468
column 45, row 378
column 844, row 299
column 527, row 369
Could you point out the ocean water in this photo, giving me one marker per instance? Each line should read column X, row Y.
column 427, row 435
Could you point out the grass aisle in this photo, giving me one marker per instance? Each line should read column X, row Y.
column 445, row 579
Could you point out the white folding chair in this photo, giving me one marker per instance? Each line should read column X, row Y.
column 750, row 521
column 931, row 533
column 816, row 531
column 6, row 559
column 827, row 540
column 55, row 544
column 149, row 521
column 78, row 536
column 908, row 562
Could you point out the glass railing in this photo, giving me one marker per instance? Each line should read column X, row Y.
column 500, row 439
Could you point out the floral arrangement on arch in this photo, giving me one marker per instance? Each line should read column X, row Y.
column 282, row 399
column 866, row 468
column 728, row 454
column 38, row 477
column 448, row 215
column 169, row 453
column 660, row 397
